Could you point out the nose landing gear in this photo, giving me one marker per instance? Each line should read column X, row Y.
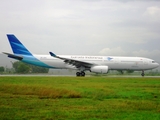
column 80, row 74
column 142, row 73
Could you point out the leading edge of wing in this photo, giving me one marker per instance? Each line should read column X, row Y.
column 74, row 62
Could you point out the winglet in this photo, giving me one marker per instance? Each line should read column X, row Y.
column 52, row 54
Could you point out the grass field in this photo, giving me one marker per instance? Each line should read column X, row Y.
column 79, row 98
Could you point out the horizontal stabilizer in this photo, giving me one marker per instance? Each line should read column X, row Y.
column 13, row 56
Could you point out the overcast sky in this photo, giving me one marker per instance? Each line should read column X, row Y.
column 84, row 27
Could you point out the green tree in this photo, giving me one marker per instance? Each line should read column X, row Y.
column 15, row 65
column 21, row 67
column 130, row 71
column 37, row 69
column 1, row 69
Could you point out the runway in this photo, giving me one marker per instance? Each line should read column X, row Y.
column 51, row 75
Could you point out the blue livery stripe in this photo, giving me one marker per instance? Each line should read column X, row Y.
column 34, row 61
column 17, row 46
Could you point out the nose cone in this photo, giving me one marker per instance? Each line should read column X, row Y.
column 156, row 65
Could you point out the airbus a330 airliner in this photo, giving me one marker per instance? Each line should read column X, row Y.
column 96, row 64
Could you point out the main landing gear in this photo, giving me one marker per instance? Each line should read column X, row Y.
column 142, row 73
column 80, row 74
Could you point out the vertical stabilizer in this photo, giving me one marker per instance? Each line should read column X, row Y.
column 17, row 46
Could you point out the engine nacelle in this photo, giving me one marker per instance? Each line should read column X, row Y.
column 99, row 69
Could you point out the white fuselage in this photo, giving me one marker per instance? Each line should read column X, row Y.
column 113, row 62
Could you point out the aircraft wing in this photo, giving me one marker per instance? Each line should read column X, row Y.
column 73, row 62
column 13, row 56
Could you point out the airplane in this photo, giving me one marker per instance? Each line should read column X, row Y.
column 81, row 63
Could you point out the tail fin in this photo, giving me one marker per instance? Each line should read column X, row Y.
column 17, row 46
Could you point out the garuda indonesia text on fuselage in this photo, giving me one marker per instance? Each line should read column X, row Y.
column 96, row 64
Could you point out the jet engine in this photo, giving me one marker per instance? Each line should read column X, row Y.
column 99, row 69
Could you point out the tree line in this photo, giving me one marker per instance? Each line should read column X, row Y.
column 20, row 67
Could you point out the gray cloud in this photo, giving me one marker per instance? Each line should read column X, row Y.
column 96, row 27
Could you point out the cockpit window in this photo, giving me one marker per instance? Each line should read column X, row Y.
column 153, row 61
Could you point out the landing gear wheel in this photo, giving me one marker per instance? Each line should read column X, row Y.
column 83, row 74
column 142, row 74
column 78, row 74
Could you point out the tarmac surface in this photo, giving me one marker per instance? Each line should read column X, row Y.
column 50, row 75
